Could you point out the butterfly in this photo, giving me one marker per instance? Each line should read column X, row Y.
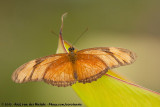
column 65, row 69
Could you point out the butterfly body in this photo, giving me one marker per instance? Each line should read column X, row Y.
column 72, row 56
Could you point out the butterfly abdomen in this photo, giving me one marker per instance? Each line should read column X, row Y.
column 73, row 58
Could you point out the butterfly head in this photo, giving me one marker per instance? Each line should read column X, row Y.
column 71, row 49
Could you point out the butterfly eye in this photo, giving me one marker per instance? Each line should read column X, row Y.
column 71, row 49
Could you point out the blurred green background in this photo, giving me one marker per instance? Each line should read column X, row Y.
column 25, row 34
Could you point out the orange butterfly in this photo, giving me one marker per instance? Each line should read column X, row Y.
column 66, row 68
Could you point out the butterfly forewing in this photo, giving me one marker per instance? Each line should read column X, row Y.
column 35, row 69
column 112, row 57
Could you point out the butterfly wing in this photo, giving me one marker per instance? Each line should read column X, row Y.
column 40, row 69
column 94, row 62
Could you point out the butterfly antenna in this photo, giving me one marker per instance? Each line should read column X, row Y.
column 80, row 36
column 54, row 33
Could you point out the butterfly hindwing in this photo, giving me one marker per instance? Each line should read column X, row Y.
column 60, row 73
column 89, row 67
